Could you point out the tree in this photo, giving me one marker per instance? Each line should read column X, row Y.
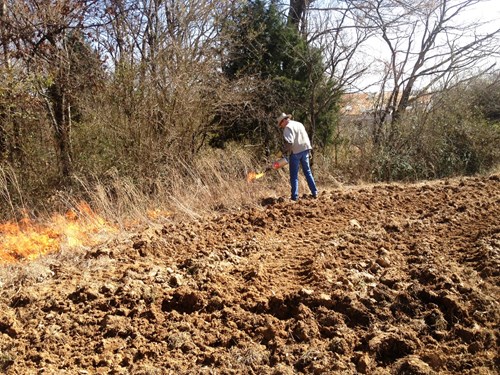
column 6, row 68
column 336, row 32
column 255, row 40
column 428, row 45
column 263, row 56
column 43, row 41
column 297, row 14
column 164, row 64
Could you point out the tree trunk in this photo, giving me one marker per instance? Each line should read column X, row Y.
column 296, row 13
column 4, row 117
column 61, row 119
column 313, row 119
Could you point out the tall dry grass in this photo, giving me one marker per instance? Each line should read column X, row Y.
column 10, row 191
column 215, row 181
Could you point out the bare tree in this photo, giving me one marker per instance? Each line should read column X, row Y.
column 334, row 33
column 429, row 43
column 163, row 57
column 337, row 31
column 41, row 34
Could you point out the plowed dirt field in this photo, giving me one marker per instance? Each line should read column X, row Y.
column 379, row 279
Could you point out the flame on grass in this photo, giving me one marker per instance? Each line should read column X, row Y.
column 254, row 176
column 26, row 240
column 156, row 213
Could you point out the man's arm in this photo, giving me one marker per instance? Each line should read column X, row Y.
column 288, row 137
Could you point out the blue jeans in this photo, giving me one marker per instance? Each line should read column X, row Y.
column 296, row 160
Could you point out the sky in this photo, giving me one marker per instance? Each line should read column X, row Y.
column 486, row 9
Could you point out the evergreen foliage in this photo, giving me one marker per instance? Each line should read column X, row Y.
column 285, row 73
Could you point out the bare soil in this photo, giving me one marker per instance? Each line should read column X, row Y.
column 382, row 279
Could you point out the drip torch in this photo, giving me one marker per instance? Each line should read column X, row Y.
column 280, row 163
column 277, row 164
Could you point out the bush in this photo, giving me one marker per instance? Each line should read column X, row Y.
column 454, row 135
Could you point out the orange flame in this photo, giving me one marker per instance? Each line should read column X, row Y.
column 253, row 176
column 156, row 213
column 28, row 240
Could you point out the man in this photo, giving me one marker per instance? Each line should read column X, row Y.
column 298, row 145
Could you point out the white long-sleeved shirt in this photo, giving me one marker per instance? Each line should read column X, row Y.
column 295, row 134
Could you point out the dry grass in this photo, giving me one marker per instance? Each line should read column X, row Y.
column 216, row 181
column 496, row 170
column 10, row 191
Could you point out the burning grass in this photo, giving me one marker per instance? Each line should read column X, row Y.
column 27, row 240
column 254, row 176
